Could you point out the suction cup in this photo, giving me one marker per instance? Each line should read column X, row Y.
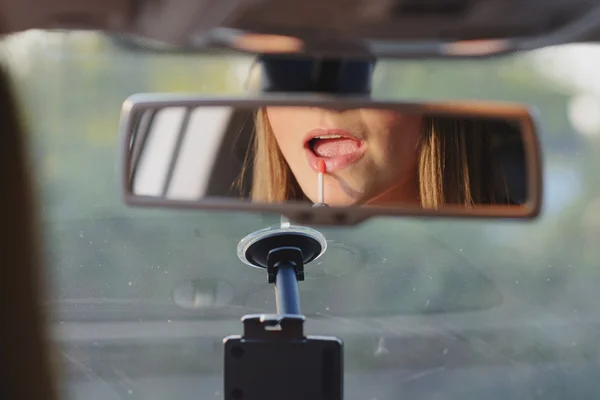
column 254, row 248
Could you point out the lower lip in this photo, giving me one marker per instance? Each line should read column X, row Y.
column 336, row 163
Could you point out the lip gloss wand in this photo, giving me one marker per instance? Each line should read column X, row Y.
column 322, row 168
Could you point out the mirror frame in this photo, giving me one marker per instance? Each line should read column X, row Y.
column 135, row 106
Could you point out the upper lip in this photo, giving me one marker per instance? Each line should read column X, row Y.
column 316, row 133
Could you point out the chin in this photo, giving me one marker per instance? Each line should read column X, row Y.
column 341, row 201
column 336, row 197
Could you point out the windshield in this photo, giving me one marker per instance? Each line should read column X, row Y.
column 140, row 300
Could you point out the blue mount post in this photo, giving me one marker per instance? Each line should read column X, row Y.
column 285, row 267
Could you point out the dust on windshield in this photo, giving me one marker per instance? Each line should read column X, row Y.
column 140, row 300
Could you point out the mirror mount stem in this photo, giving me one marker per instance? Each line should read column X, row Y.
column 293, row 74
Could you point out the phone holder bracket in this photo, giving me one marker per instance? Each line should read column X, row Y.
column 273, row 359
column 289, row 255
column 273, row 327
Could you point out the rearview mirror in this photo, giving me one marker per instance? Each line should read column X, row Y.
column 454, row 159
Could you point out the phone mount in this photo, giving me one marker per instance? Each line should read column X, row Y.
column 273, row 359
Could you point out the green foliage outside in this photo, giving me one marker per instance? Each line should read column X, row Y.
column 106, row 261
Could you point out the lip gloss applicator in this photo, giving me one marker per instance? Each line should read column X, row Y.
column 321, row 185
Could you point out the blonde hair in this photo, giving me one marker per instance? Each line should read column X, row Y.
column 450, row 164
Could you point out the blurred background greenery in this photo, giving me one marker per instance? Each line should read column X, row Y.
column 72, row 86
column 108, row 261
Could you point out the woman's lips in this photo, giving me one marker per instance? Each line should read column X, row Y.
column 336, row 147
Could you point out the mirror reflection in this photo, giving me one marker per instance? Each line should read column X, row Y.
column 366, row 156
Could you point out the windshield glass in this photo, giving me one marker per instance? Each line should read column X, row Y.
column 140, row 300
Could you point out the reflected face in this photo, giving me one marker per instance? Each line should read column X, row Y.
column 370, row 155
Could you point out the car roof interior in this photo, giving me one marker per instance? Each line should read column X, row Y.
column 334, row 26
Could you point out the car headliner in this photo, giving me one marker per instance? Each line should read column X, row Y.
column 337, row 27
